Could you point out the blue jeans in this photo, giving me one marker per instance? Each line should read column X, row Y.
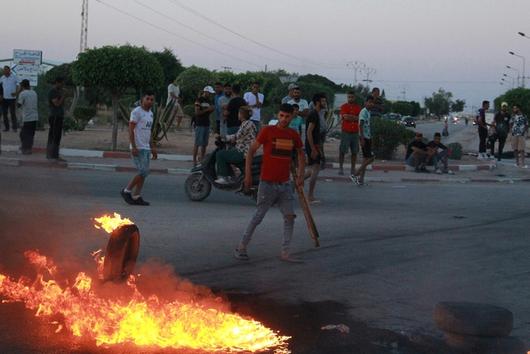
column 440, row 159
column 268, row 194
column 142, row 162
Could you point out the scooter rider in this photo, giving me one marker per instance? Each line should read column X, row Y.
column 236, row 155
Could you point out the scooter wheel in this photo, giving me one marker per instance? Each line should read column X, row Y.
column 197, row 187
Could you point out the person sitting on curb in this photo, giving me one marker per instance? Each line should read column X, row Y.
column 236, row 155
column 418, row 154
column 439, row 155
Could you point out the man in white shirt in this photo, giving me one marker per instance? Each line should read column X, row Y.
column 142, row 146
column 28, row 102
column 173, row 96
column 255, row 101
column 10, row 87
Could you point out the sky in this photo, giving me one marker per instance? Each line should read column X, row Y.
column 415, row 46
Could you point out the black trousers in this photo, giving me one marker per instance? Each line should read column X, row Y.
column 54, row 136
column 27, row 133
column 483, row 136
column 9, row 106
column 502, row 142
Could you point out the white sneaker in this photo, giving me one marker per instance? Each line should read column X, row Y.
column 222, row 180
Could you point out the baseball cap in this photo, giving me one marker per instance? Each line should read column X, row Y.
column 209, row 89
column 504, row 104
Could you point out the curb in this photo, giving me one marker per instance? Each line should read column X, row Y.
column 13, row 162
column 187, row 158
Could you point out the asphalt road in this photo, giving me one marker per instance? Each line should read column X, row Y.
column 429, row 128
column 389, row 252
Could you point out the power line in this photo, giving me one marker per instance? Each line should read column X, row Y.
column 207, row 35
column 197, row 13
column 175, row 34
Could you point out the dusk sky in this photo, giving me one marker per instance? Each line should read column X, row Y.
column 416, row 46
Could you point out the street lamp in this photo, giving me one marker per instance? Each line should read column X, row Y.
column 524, row 64
column 509, row 76
column 517, row 71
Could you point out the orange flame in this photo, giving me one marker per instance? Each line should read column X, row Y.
column 143, row 321
column 110, row 223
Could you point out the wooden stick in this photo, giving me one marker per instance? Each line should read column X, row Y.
column 311, row 226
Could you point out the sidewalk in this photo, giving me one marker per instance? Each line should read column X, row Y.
column 380, row 172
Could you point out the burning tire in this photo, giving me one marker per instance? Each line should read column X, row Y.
column 121, row 254
column 197, row 187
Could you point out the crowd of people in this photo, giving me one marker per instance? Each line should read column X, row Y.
column 19, row 94
column 504, row 124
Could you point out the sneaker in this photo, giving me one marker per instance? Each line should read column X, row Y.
column 127, row 196
column 341, row 172
column 222, row 180
column 241, row 255
column 286, row 257
column 140, row 201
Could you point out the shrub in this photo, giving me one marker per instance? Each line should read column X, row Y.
column 455, row 151
column 387, row 136
column 82, row 115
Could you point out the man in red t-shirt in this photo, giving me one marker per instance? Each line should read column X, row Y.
column 279, row 142
column 349, row 138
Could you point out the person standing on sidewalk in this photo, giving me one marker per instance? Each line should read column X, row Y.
column 27, row 101
column 349, row 138
column 56, row 98
column 223, row 104
column 378, row 105
column 201, row 123
column 254, row 100
column 365, row 137
column 231, row 111
column 218, row 88
column 501, row 124
column 482, row 130
column 279, row 142
column 10, row 86
column 173, row 97
column 313, row 142
column 142, row 146
column 519, row 128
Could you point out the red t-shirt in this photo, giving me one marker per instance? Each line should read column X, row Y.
column 350, row 108
column 278, row 146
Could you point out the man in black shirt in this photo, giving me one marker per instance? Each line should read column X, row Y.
column 501, row 123
column 417, row 154
column 201, row 122
column 56, row 103
column 439, row 154
column 313, row 143
column 231, row 111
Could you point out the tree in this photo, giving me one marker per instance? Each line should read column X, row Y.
column 171, row 67
column 440, row 102
column 192, row 81
column 402, row 107
column 458, row 106
column 519, row 96
column 320, row 80
column 116, row 69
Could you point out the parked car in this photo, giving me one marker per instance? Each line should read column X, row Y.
column 393, row 116
column 408, row 121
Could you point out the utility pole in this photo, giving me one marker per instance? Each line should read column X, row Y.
column 356, row 66
column 83, row 45
column 369, row 72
